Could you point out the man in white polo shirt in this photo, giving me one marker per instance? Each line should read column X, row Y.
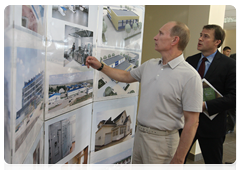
column 170, row 89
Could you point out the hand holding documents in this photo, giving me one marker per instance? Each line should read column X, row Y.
column 209, row 93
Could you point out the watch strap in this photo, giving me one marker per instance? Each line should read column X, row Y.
column 101, row 67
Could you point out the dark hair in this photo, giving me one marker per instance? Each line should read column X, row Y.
column 226, row 48
column 183, row 32
column 218, row 31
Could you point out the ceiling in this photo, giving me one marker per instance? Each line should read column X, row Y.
column 230, row 18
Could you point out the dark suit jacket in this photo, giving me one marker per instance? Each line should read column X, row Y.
column 233, row 56
column 222, row 75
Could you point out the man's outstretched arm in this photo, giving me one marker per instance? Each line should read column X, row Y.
column 116, row 74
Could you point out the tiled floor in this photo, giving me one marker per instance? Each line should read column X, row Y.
column 229, row 150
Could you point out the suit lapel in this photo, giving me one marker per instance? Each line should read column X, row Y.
column 213, row 65
column 195, row 61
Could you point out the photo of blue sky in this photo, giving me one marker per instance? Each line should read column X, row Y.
column 29, row 63
column 62, row 79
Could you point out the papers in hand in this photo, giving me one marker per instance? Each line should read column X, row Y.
column 209, row 93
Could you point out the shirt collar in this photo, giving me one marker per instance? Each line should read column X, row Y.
column 174, row 63
column 210, row 57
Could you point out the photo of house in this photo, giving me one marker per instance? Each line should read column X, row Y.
column 111, row 132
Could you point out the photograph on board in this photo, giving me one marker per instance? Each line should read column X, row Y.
column 61, row 139
column 77, row 14
column 67, row 90
column 114, row 124
column 33, row 18
column 122, row 26
column 78, row 44
column 35, row 154
column 80, row 158
column 68, row 136
column 29, row 91
column 119, row 161
column 118, row 59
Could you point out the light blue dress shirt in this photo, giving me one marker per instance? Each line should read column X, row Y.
column 207, row 65
column 207, row 62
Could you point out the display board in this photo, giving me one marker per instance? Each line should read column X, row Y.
column 55, row 108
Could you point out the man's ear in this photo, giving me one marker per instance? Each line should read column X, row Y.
column 175, row 40
column 217, row 42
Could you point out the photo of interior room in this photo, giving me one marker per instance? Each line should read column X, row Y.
column 77, row 14
column 78, row 45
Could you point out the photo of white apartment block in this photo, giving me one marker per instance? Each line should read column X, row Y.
column 29, row 93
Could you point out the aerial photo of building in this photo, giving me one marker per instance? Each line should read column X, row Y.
column 121, row 17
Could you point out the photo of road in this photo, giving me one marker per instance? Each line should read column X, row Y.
column 25, row 124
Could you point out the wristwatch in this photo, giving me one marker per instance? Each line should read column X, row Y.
column 101, row 67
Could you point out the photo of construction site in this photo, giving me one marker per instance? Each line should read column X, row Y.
column 66, row 90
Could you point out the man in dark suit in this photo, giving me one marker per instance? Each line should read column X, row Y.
column 232, row 118
column 220, row 71
column 231, row 114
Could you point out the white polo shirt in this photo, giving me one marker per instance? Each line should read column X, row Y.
column 167, row 90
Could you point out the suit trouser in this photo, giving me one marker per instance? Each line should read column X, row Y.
column 154, row 149
column 211, row 148
column 231, row 119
